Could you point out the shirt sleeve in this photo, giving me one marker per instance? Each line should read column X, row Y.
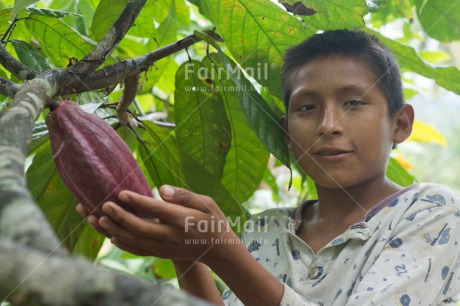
column 419, row 265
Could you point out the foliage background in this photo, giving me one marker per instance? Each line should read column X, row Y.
column 223, row 142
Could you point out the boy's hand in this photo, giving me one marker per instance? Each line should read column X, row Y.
column 92, row 220
column 184, row 216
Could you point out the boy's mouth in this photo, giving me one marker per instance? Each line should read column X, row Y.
column 331, row 151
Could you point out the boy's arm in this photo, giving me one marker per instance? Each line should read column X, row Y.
column 195, row 278
column 248, row 280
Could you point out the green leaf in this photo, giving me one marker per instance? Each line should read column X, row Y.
column 30, row 56
column 391, row 10
column 161, row 157
column 202, row 127
column 105, row 16
column 275, row 104
column 58, row 41
column 89, row 243
column 51, row 13
column 107, row 12
column 164, row 269
column 435, row 57
column 19, row 31
column 446, row 77
column 4, row 19
column 257, row 32
column 247, row 159
column 258, row 113
column 167, row 31
column 440, row 19
column 398, row 174
column 144, row 25
column 409, row 93
column 58, row 204
column 20, row 5
column 83, row 22
column 162, row 11
column 201, row 181
column 168, row 164
column 39, row 137
column 333, row 14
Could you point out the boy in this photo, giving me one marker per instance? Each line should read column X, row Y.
column 364, row 241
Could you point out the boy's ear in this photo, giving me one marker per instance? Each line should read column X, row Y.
column 287, row 139
column 404, row 120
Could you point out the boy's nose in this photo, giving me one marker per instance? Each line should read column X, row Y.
column 330, row 122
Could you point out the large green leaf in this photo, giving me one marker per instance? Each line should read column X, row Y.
column 333, row 14
column 201, row 181
column 202, row 127
column 167, row 163
column 247, row 159
column 58, row 204
column 257, row 32
column 50, row 13
column 107, row 12
column 446, row 77
column 440, row 19
column 260, row 116
column 161, row 156
column 57, row 40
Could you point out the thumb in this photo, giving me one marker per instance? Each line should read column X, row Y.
column 187, row 198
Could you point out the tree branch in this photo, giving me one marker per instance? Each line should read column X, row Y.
column 31, row 277
column 8, row 88
column 116, row 73
column 14, row 66
column 20, row 218
column 110, row 41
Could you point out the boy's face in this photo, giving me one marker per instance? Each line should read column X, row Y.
column 339, row 127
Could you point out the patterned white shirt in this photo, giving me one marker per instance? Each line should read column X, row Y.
column 404, row 251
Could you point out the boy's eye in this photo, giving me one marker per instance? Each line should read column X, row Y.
column 354, row 103
column 307, row 107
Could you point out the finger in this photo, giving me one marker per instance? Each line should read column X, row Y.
column 157, row 249
column 126, row 225
column 187, row 198
column 125, row 247
column 81, row 210
column 94, row 222
column 168, row 213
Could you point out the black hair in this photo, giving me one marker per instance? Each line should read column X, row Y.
column 349, row 43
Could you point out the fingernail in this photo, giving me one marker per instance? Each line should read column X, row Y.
column 104, row 223
column 107, row 209
column 123, row 196
column 167, row 191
